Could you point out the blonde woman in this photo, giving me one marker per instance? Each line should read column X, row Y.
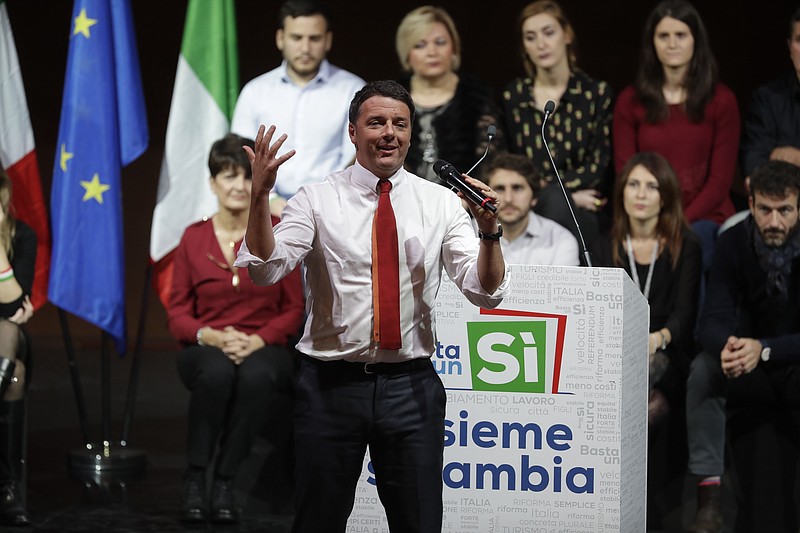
column 452, row 110
column 17, row 259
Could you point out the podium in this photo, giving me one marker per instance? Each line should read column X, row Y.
column 546, row 422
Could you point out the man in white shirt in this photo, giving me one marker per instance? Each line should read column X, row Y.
column 352, row 391
column 305, row 97
column 528, row 239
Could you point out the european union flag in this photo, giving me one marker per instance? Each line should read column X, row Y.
column 103, row 127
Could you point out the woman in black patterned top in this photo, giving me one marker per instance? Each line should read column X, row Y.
column 579, row 130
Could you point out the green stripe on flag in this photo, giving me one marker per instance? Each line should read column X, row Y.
column 210, row 47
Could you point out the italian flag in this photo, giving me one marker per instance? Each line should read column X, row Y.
column 18, row 156
column 205, row 92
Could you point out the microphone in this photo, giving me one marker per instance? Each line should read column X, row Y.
column 491, row 131
column 549, row 107
column 451, row 176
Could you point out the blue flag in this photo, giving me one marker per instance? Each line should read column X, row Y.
column 103, row 128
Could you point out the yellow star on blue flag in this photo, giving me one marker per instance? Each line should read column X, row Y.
column 83, row 23
column 94, row 189
column 104, row 126
column 64, row 158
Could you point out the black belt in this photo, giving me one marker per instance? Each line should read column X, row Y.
column 402, row 367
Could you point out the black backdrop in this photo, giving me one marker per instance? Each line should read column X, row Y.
column 748, row 38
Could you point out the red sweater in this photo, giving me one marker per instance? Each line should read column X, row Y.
column 702, row 154
column 203, row 294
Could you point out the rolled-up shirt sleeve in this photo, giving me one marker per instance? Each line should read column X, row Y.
column 460, row 258
column 294, row 235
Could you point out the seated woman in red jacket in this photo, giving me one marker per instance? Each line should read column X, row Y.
column 678, row 109
column 235, row 358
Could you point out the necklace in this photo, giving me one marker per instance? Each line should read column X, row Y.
column 234, row 270
column 230, row 236
column 635, row 274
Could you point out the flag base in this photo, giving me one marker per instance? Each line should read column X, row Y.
column 106, row 463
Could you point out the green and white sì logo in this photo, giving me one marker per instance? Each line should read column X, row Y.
column 508, row 356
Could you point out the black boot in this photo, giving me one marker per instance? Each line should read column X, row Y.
column 12, row 426
column 223, row 502
column 193, row 502
column 7, row 367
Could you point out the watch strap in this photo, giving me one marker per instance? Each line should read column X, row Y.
column 491, row 236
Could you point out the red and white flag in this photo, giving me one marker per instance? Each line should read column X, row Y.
column 205, row 92
column 18, row 156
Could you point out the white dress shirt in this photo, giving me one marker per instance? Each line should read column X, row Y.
column 543, row 242
column 329, row 225
column 313, row 116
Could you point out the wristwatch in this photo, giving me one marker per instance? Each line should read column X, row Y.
column 491, row 236
column 766, row 350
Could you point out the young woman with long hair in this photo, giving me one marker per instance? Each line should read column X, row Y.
column 678, row 108
column 652, row 241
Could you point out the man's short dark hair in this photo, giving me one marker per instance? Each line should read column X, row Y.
column 776, row 179
column 518, row 163
column 795, row 18
column 304, row 8
column 387, row 88
column 228, row 153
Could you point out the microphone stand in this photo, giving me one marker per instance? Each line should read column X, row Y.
column 491, row 131
column 548, row 110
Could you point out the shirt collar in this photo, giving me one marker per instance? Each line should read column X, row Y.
column 322, row 76
column 364, row 178
column 534, row 227
column 532, row 230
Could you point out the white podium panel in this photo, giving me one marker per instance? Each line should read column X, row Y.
column 546, row 424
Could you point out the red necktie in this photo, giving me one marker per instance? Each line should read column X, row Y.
column 386, row 270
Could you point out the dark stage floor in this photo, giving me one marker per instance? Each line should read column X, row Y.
column 59, row 503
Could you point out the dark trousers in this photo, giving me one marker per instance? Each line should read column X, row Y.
column 339, row 411
column 229, row 403
column 759, row 413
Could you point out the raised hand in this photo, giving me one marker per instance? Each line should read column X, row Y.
column 485, row 218
column 264, row 160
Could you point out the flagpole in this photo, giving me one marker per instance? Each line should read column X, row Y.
column 103, row 128
column 107, row 460
column 127, row 416
column 73, row 371
column 105, row 380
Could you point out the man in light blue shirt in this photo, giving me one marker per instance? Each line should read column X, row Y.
column 305, row 97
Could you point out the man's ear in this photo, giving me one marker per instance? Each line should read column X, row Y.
column 279, row 39
column 351, row 130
